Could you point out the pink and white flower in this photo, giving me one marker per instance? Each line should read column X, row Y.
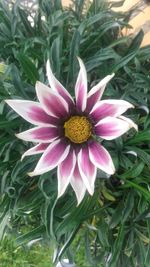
column 66, row 129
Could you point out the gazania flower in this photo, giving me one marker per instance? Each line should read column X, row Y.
column 66, row 130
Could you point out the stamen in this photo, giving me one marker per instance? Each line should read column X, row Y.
column 78, row 129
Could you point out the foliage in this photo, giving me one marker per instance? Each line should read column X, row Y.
column 35, row 256
column 114, row 222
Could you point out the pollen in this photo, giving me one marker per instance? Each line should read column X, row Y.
column 78, row 129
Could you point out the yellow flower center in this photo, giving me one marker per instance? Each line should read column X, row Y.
column 78, row 129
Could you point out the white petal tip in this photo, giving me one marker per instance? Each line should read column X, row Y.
column 111, row 171
column 132, row 106
column 79, row 202
column 48, row 66
column 37, row 83
column 91, row 192
column 81, row 63
column 90, row 189
column 31, row 174
column 9, row 102
column 61, row 191
column 22, row 157
column 78, row 58
column 133, row 125
column 48, row 61
column 17, row 135
column 20, row 136
column 59, row 194
column 79, row 199
column 36, row 173
column 112, row 75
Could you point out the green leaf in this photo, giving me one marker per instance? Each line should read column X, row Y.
column 16, row 79
column 141, row 189
column 100, row 57
column 103, row 234
column 117, row 247
column 8, row 124
column 117, row 215
column 107, row 195
column 117, row 3
column 74, row 218
column 58, row 4
column 2, row 67
column 134, row 171
column 92, row 20
column 123, row 62
column 74, row 52
column 136, row 42
column 143, row 155
column 55, row 56
column 129, row 205
column 130, row 53
column 142, row 136
column 34, row 234
column 147, row 257
column 4, row 220
column 68, row 242
column 49, row 216
column 25, row 21
column 28, row 68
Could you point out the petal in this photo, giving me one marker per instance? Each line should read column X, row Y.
column 31, row 111
column 87, row 169
column 81, row 88
column 113, row 108
column 131, row 123
column 64, row 172
column 57, row 86
column 51, row 102
column 100, row 157
column 40, row 134
column 78, row 184
column 111, row 128
column 97, row 91
column 40, row 148
column 52, row 157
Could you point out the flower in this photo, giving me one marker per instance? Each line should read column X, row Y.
column 66, row 130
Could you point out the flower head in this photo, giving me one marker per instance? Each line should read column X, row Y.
column 66, row 129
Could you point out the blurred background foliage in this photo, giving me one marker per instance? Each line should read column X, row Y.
column 112, row 228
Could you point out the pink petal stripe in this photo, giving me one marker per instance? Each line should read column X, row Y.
column 40, row 148
column 130, row 122
column 51, row 102
column 96, row 92
column 78, row 184
column 64, row 172
column 87, row 169
column 100, row 157
column 52, row 157
column 111, row 128
column 40, row 134
column 81, row 88
column 105, row 108
column 57, row 86
column 32, row 112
